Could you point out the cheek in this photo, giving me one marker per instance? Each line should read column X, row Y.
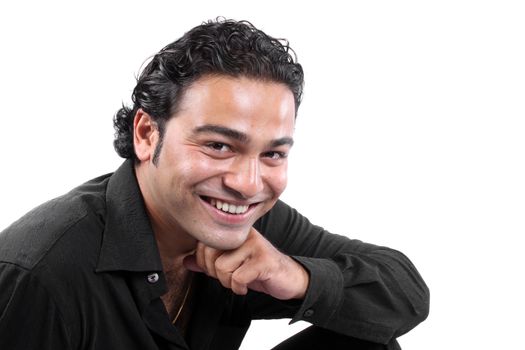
column 277, row 180
column 197, row 170
column 204, row 167
column 195, row 165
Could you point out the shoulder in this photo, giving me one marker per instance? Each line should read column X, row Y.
column 54, row 225
column 284, row 219
column 279, row 212
column 283, row 225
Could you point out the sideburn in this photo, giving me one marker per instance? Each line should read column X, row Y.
column 158, row 147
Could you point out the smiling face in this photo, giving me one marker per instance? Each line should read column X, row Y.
column 223, row 160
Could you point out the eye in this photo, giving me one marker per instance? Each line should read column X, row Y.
column 274, row 155
column 218, row 146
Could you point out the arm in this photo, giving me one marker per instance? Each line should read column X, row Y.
column 29, row 319
column 357, row 289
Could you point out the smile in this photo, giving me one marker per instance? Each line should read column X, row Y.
column 228, row 207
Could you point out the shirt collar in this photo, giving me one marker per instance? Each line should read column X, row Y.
column 128, row 242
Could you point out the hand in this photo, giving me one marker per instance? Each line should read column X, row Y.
column 255, row 265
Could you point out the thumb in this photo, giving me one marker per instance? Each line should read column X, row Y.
column 190, row 263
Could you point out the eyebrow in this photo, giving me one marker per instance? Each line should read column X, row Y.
column 282, row 141
column 222, row 130
column 238, row 135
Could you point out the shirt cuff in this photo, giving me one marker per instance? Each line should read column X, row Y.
column 325, row 291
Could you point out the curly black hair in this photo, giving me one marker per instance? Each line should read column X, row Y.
column 227, row 47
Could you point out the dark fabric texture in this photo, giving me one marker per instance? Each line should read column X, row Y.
column 74, row 275
column 316, row 338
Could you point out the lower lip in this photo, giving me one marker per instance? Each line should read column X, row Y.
column 227, row 218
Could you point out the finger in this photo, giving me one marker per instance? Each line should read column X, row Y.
column 227, row 263
column 246, row 275
column 225, row 279
column 210, row 256
column 206, row 257
column 190, row 263
column 200, row 258
column 238, row 288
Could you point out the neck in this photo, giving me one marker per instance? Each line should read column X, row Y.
column 172, row 246
column 173, row 241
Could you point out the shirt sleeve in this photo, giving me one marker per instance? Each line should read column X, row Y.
column 357, row 289
column 29, row 319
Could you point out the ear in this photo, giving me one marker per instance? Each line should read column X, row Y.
column 145, row 135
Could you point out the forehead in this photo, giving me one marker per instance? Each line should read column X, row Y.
column 244, row 104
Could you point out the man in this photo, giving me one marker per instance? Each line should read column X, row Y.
column 187, row 241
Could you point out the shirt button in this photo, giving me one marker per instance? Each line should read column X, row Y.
column 308, row 313
column 153, row 277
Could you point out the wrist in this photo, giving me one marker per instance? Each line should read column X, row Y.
column 302, row 280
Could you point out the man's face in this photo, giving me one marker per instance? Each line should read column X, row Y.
column 223, row 161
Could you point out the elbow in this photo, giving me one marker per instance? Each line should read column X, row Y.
column 409, row 291
column 424, row 304
column 417, row 308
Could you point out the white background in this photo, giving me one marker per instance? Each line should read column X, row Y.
column 411, row 133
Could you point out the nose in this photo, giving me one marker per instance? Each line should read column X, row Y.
column 244, row 178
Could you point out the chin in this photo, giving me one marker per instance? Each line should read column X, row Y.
column 226, row 240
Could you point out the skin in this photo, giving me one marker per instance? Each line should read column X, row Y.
column 229, row 141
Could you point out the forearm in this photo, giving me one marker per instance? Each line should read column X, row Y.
column 378, row 296
column 355, row 288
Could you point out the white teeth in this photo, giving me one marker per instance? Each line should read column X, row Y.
column 227, row 207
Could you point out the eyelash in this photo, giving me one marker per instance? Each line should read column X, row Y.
column 281, row 155
column 213, row 146
column 217, row 147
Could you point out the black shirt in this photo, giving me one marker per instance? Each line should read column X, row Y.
column 83, row 271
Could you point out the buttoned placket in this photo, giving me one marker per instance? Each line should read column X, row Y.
column 149, row 287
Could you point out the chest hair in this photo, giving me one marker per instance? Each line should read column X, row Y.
column 178, row 283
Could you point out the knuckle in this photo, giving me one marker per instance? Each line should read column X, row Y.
column 225, row 279
column 236, row 280
column 239, row 290
column 239, row 278
column 238, row 286
column 221, row 264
